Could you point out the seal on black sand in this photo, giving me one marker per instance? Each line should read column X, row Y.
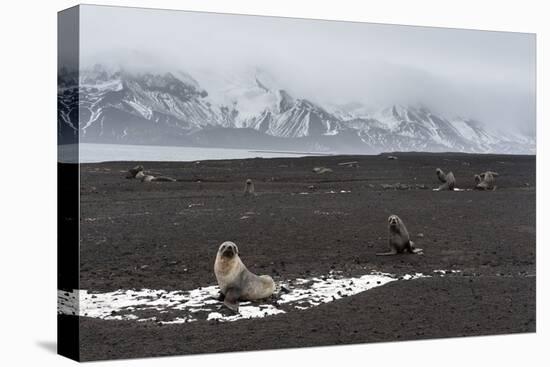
column 236, row 281
column 486, row 180
column 447, row 179
column 132, row 172
column 399, row 239
column 150, row 178
column 321, row 170
column 249, row 187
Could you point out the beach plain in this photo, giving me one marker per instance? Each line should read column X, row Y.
column 301, row 224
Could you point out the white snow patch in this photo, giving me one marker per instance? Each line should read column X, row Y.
column 455, row 189
column 443, row 272
column 203, row 304
column 338, row 192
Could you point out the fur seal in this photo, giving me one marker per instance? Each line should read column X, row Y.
column 353, row 164
column 249, row 187
column 447, row 179
column 150, row 178
column 321, row 170
column 236, row 281
column 132, row 172
column 399, row 239
column 486, row 180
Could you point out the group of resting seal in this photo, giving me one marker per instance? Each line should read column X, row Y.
column 237, row 283
column 484, row 181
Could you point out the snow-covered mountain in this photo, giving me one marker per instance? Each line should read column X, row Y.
column 417, row 128
column 253, row 110
column 295, row 118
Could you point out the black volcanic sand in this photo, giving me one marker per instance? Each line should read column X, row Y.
column 165, row 236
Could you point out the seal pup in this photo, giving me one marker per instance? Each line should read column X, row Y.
column 486, row 180
column 132, row 172
column 399, row 239
column 236, row 281
column 249, row 187
column 447, row 179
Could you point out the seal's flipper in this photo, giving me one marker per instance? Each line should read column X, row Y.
column 163, row 179
column 411, row 249
column 231, row 299
column 482, row 186
column 233, row 306
column 389, row 253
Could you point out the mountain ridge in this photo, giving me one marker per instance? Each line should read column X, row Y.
column 171, row 108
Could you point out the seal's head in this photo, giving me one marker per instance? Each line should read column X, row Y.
column 228, row 250
column 440, row 174
column 393, row 221
column 248, row 182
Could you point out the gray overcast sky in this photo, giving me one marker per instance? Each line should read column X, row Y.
column 485, row 75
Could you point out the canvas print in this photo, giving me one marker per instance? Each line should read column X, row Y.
column 237, row 183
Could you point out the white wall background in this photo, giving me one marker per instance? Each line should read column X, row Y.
column 28, row 201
